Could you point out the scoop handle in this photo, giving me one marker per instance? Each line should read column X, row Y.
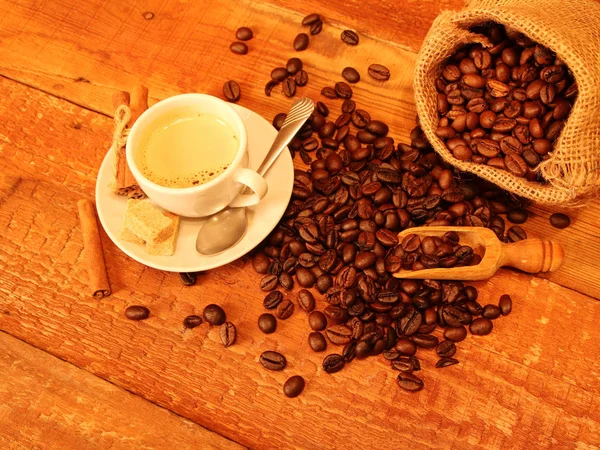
column 532, row 255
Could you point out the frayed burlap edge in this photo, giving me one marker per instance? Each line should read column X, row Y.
column 572, row 30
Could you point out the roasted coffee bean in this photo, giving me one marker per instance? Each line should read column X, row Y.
column 351, row 75
column 305, row 277
column 306, row 300
column 293, row 66
column 227, row 334
column 322, row 109
column 137, row 312
column 286, row 281
column 339, row 334
column 317, row 341
column 260, row 263
column 280, row 73
column 214, row 314
column 289, row 87
column 187, row 278
column 333, row 363
column 310, row 19
column 505, row 304
column 410, row 382
column 481, row 326
column 560, row 221
column 301, row 42
column 491, row 312
column 517, row 216
column 316, row 28
column 244, row 34
column 301, row 78
column 192, row 321
column 343, row 90
column 328, row 92
column 285, row 309
column 445, row 362
column 317, row 321
column 410, row 322
column 269, row 88
column 455, row 334
column 278, row 120
column 269, row 282
column 239, row 48
column 379, row 72
column 231, row 91
column 360, row 118
column 272, row 360
column 348, row 107
column 293, row 386
column 349, row 37
column 267, row 323
column 516, row 233
column 446, row 349
column 335, row 314
column 425, row 340
column 272, row 300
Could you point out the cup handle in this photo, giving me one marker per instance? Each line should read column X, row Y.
column 252, row 180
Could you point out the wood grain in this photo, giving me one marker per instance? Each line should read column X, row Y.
column 48, row 403
column 102, row 47
column 533, row 384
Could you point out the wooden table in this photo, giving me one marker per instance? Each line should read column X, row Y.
column 77, row 374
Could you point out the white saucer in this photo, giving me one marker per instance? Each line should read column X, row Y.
column 262, row 218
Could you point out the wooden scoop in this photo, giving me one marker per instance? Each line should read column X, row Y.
column 529, row 255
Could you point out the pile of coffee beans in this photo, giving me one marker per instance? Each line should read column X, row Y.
column 339, row 236
column 504, row 105
column 290, row 76
column 430, row 252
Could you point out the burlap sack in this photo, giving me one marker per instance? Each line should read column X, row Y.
column 571, row 28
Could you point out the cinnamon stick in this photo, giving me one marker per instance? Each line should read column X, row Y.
column 92, row 248
column 125, row 183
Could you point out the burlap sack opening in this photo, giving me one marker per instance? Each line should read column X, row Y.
column 569, row 28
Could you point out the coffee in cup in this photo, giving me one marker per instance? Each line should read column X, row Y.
column 187, row 149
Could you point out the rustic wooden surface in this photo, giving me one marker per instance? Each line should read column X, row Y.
column 533, row 384
column 49, row 403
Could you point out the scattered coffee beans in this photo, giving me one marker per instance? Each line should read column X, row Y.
column 317, row 341
column 379, row 72
column 227, row 334
column 559, row 220
column 339, row 233
column 285, row 309
column 349, row 37
column 187, row 278
column 301, row 42
column 192, row 321
column 351, row 75
column 231, row 91
column 244, row 34
column 239, row 48
column 214, row 314
column 294, row 386
column 273, row 360
column 137, row 312
column 267, row 323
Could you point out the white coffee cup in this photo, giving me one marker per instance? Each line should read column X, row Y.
column 214, row 195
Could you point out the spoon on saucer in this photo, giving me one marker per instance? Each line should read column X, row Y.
column 227, row 227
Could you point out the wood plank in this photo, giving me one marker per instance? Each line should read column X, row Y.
column 104, row 46
column 533, row 384
column 49, row 403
